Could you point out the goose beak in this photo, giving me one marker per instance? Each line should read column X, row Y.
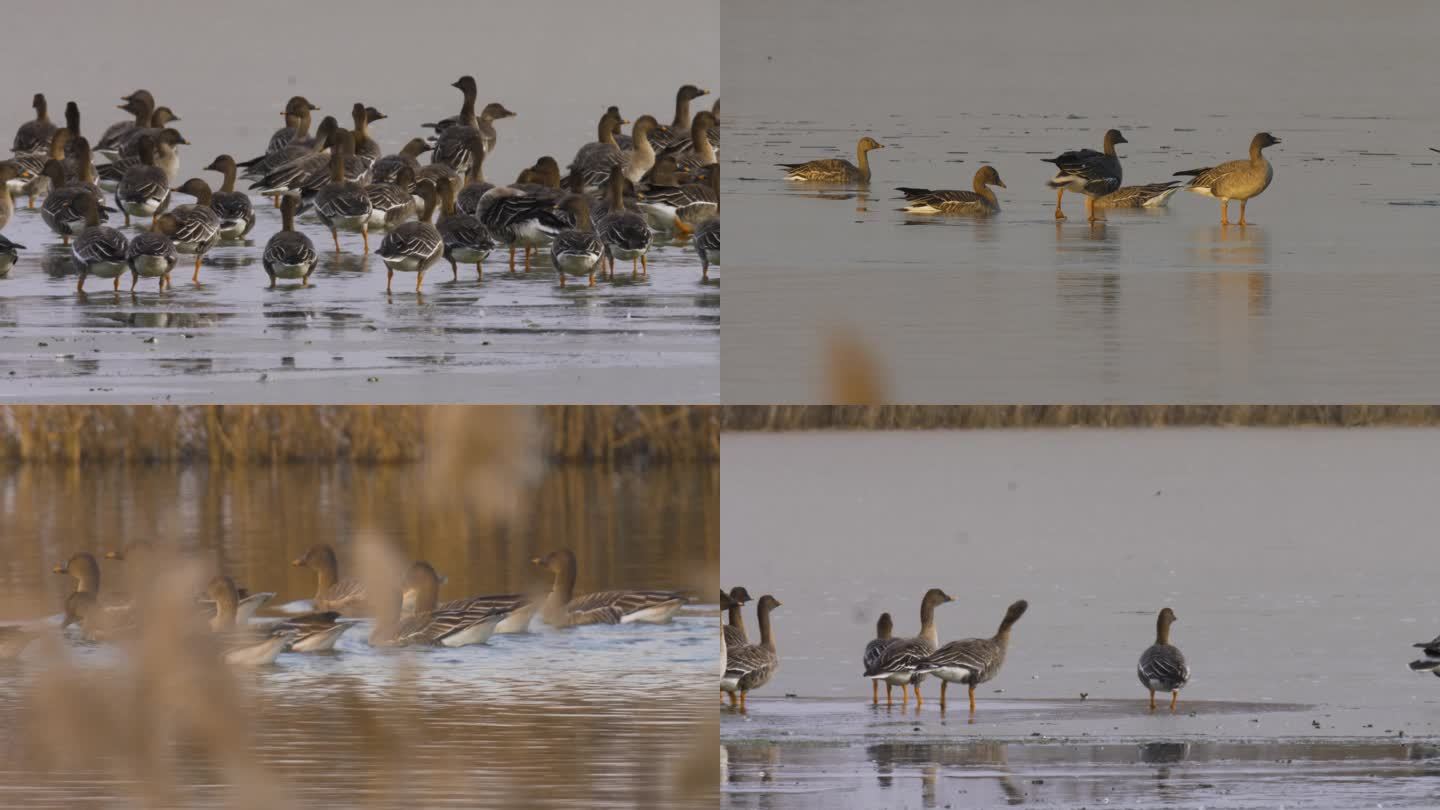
column 536, row 561
column 114, row 555
column 1000, row 183
column 314, row 107
column 298, row 562
column 59, row 569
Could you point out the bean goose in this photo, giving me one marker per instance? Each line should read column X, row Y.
column 1151, row 195
column 421, row 594
column 289, row 254
column 297, row 125
column 144, row 191
column 751, row 666
column 346, row 596
column 625, row 232
column 980, row 202
column 441, row 627
column 100, row 616
column 1236, row 179
column 151, row 254
column 1162, row 667
column 874, row 651
column 897, row 663
column 972, row 661
column 466, row 238
column 707, row 243
column 342, row 203
column 576, row 250
column 387, row 168
column 1431, row 662
column 35, row 135
column 412, row 247
column 165, row 156
column 1085, row 171
column 237, row 215
column 98, row 250
column 255, row 644
column 735, row 635
column 9, row 254
column 194, row 228
column 563, row 609
column 835, row 170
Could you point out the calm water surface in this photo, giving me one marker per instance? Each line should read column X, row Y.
column 512, row 338
column 607, row 717
column 1327, row 296
column 1290, row 557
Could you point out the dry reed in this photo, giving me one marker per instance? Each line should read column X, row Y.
column 972, row 417
column 375, row 434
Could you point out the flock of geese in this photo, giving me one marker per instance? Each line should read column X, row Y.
column 410, row 614
column 1095, row 175
column 615, row 195
column 907, row 662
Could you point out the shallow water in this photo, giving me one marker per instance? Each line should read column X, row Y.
column 603, row 716
column 1327, row 297
column 1288, row 555
column 512, row 338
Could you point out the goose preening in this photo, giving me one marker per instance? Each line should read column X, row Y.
column 1235, row 179
column 980, row 202
column 896, row 663
column 972, row 661
column 835, row 170
column 750, row 666
column 1162, row 667
column 1085, row 171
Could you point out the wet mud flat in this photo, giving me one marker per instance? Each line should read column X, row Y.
column 1068, row 753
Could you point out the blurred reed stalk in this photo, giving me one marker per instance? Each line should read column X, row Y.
column 373, row 434
column 938, row 417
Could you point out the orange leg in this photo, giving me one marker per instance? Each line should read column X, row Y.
column 1224, row 212
column 527, row 269
column 196, row 278
column 904, row 695
column 1174, row 696
column 562, row 279
column 389, row 277
column 633, row 268
column 80, row 287
column 888, row 686
column 336, row 236
column 135, row 279
column 972, row 699
column 1059, row 192
column 742, row 702
column 943, row 685
column 64, row 240
column 644, row 266
column 1242, row 212
column 454, row 271
column 1152, row 700
column 419, row 278
column 117, row 284
column 365, row 235
column 127, row 219
column 919, row 701
column 512, row 258
column 1090, row 209
column 480, row 270
column 874, row 692
column 592, row 278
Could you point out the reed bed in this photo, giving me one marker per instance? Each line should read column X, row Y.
column 973, row 417
column 372, row 434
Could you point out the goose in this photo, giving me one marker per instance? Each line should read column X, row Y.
column 1085, row 171
column 522, row 217
column 707, row 243
column 980, row 202
column 260, row 168
column 1162, row 666
column 689, row 160
column 735, row 635
column 9, row 254
column 1151, row 195
column 165, row 156
column 61, row 210
column 144, row 191
column 626, row 233
column 297, row 125
column 421, row 594
column 454, row 144
column 126, row 145
column 342, row 203
column 346, row 596
column 576, row 250
column 98, row 250
column 237, row 215
column 306, row 175
column 141, row 105
column 433, row 628
column 412, row 247
column 10, row 171
column 466, row 238
column 896, row 666
column 1236, row 179
column 151, row 254
column 972, row 661
column 195, row 227
column 753, row 665
column 635, row 162
column 392, row 201
column 309, row 632
column 242, row 646
column 99, row 614
column 606, row 146
column 143, row 557
column 32, row 165
column 1431, row 662
column 289, row 254
column 673, row 136
column 563, row 609
column 387, row 168
column 874, row 651
column 365, row 147
column 836, row 170
column 35, row 135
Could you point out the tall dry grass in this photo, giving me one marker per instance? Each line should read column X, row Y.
column 361, row 433
column 933, row 417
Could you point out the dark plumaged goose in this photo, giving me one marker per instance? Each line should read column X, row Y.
column 98, row 250
column 365, row 146
column 392, row 201
column 100, row 615
column 875, row 651
column 35, row 135
column 128, row 142
column 306, row 175
column 897, row 664
column 674, row 207
column 297, row 125
column 980, row 202
column 139, row 104
column 707, row 244
column 523, row 218
column 412, row 247
column 1236, row 179
column 624, row 231
column 441, row 627
column 751, row 666
column 308, row 632
column 243, row 646
column 237, row 215
column 144, row 190
column 385, row 169
column 166, row 156
column 689, row 160
column 9, row 254
column 576, row 250
column 835, row 170
column 454, row 145
column 1085, row 171
column 72, row 125
column 562, row 608
column 485, row 122
column 1162, row 667
column 735, row 634
column 466, row 238
column 972, row 661
column 1431, row 662
column 259, row 167
column 606, row 148
column 341, row 202
column 289, row 254
column 153, row 255
column 421, row 594
column 678, row 135
column 634, row 162
column 195, row 227
column 32, row 164
column 61, row 210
